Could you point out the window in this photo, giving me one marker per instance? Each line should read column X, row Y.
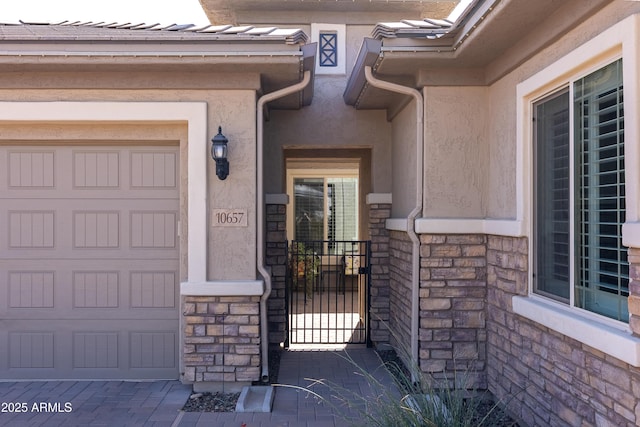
column 309, row 204
column 580, row 195
column 602, row 146
column 325, row 208
column 551, row 127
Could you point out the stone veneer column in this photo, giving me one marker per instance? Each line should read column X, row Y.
column 221, row 347
column 276, row 260
column 400, row 292
column 379, row 212
column 634, row 290
column 453, row 292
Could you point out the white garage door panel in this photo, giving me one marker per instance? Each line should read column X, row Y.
column 89, row 262
column 55, row 286
column 94, row 349
column 87, row 226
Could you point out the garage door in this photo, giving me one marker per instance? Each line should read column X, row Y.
column 89, row 262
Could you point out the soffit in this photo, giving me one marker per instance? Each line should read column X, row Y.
column 494, row 30
column 507, row 33
column 344, row 11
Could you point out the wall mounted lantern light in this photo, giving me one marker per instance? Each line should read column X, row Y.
column 219, row 154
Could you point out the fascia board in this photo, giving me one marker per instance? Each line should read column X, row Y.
column 367, row 56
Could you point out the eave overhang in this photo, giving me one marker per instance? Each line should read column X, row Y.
column 328, row 11
column 493, row 39
column 408, row 41
column 278, row 58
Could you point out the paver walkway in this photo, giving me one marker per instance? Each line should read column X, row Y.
column 296, row 407
column 91, row 403
column 158, row 403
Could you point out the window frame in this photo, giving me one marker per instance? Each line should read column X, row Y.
column 574, row 236
column 535, row 251
column 566, row 83
column 618, row 41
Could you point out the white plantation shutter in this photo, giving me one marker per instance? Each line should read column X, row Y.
column 602, row 267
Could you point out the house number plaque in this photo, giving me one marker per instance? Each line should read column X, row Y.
column 229, row 218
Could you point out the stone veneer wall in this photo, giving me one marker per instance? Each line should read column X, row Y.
column 468, row 328
column 400, row 248
column 276, row 260
column 452, row 309
column 546, row 378
column 221, row 341
column 380, row 290
column 634, row 291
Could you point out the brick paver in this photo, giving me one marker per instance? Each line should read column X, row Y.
column 159, row 403
column 293, row 406
column 91, row 403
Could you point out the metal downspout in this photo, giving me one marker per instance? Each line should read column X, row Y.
column 411, row 219
column 262, row 268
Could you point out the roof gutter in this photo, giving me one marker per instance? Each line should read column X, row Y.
column 142, row 54
column 417, row 210
column 372, row 50
column 367, row 57
column 262, row 268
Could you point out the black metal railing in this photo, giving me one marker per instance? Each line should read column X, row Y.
column 328, row 292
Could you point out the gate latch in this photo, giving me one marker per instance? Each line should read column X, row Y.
column 363, row 270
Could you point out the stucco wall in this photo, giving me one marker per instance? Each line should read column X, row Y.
column 470, row 132
column 501, row 153
column 502, row 127
column 403, row 159
column 231, row 250
column 456, row 152
column 329, row 123
column 456, row 158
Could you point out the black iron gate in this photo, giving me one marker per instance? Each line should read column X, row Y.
column 328, row 292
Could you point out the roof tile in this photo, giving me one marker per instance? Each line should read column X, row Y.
column 87, row 30
column 424, row 28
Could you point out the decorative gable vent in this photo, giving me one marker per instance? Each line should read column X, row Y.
column 328, row 49
column 331, row 39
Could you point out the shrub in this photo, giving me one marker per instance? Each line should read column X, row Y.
column 412, row 399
